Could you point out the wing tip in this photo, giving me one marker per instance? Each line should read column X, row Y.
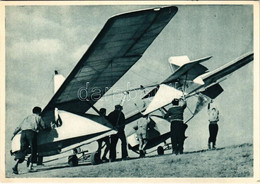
column 156, row 9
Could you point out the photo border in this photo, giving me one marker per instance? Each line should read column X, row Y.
column 256, row 127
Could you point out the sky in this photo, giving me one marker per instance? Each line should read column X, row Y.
column 41, row 39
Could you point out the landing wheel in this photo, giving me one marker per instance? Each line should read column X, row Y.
column 95, row 158
column 73, row 160
column 160, row 150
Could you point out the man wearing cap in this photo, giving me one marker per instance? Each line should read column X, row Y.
column 213, row 125
column 29, row 128
column 117, row 119
column 175, row 116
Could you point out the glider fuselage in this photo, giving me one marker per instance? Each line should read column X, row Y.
column 74, row 131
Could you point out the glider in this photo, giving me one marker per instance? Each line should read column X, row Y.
column 118, row 46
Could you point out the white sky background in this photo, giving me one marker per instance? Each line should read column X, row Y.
column 41, row 39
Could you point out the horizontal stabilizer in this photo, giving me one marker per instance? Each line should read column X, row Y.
column 213, row 91
column 188, row 70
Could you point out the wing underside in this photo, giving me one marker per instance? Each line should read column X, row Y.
column 118, row 46
column 227, row 69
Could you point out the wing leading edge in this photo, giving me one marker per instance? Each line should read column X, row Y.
column 118, row 46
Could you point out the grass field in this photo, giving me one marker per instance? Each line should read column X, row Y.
column 232, row 161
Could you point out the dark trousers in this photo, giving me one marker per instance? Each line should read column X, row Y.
column 107, row 144
column 178, row 136
column 213, row 131
column 114, row 139
column 29, row 138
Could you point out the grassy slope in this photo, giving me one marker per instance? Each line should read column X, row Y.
column 233, row 161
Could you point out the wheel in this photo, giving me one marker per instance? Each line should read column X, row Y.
column 95, row 158
column 160, row 150
column 73, row 160
column 84, row 156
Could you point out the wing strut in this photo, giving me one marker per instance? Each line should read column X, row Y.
column 185, row 81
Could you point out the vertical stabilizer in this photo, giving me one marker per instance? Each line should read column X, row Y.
column 177, row 61
column 58, row 80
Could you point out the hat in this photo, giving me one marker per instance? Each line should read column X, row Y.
column 102, row 110
column 37, row 110
column 118, row 107
column 175, row 101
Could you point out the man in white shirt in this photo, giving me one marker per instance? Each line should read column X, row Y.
column 213, row 114
column 141, row 132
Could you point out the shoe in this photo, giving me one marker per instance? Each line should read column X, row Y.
column 105, row 159
column 40, row 166
column 209, row 147
column 28, row 163
column 112, row 160
column 32, row 170
column 15, row 171
column 141, row 154
column 126, row 158
column 213, row 147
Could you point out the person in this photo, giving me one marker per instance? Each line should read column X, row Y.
column 141, row 132
column 106, row 139
column 175, row 116
column 29, row 128
column 117, row 119
column 213, row 114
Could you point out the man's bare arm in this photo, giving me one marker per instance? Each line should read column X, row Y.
column 16, row 132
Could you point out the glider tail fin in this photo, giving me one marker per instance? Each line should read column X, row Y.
column 177, row 61
column 58, row 80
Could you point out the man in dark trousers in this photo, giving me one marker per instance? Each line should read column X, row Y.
column 175, row 116
column 29, row 128
column 106, row 139
column 213, row 125
column 117, row 119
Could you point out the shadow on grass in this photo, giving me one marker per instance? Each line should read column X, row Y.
column 47, row 168
column 64, row 165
